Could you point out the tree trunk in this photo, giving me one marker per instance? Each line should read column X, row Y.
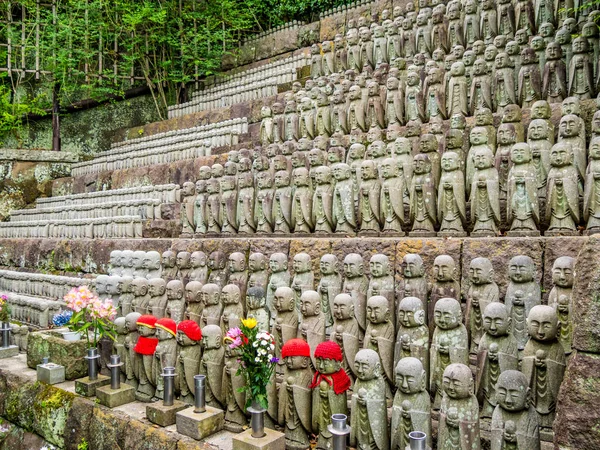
column 55, row 118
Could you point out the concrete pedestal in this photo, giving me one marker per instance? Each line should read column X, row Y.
column 87, row 387
column 9, row 352
column 273, row 440
column 50, row 373
column 112, row 398
column 164, row 415
column 199, row 425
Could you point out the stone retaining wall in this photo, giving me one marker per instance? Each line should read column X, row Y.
column 32, row 412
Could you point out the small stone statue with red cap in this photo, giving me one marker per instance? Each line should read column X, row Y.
column 165, row 353
column 329, row 386
column 295, row 397
column 212, row 363
column 144, row 352
column 188, row 359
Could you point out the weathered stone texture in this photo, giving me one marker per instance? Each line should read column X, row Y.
column 577, row 424
column 68, row 354
column 586, row 298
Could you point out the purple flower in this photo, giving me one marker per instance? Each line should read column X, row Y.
column 274, row 360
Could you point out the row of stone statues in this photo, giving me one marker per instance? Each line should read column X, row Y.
column 185, row 293
column 442, row 369
column 406, row 185
column 503, row 63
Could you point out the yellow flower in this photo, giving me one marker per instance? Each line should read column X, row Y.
column 249, row 323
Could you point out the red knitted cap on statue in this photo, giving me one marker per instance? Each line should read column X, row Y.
column 295, row 347
column 147, row 320
column 191, row 329
column 329, row 350
column 168, row 325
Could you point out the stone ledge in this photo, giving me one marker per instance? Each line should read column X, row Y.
column 9, row 154
column 66, row 420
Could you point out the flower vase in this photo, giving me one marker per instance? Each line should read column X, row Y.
column 257, row 419
column 71, row 335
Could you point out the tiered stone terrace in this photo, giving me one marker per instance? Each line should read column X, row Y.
column 52, row 231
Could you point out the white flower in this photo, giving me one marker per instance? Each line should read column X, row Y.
column 255, row 344
column 257, row 359
column 272, row 347
column 264, row 343
column 269, row 357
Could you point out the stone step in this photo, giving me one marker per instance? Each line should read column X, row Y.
column 166, row 193
column 106, row 227
column 146, row 209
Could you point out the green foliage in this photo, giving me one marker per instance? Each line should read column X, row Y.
column 13, row 110
column 98, row 49
column 83, row 445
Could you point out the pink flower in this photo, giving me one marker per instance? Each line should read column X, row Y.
column 234, row 337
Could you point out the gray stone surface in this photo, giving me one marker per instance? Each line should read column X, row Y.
column 87, row 387
column 9, row 352
column 50, row 373
column 164, row 415
column 199, row 425
column 111, row 398
column 273, row 440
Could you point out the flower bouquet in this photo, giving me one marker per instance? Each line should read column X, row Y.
column 4, row 308
column 257, row 361
column 87, row 315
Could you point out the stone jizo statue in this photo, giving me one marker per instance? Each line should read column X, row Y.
column 514, row 421
column 543, row 362
column 329, row 386
column 482, row 292
column 369, row 425
column 496, row 353
column 522, row 293
column 459, row 411
column 449, row 344
column 411, row 410
column 295, row 396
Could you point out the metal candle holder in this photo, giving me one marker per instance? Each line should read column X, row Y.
column 199, row 393
column 5, row 334
column 418, row 440
column 92, row 359
column 115, row 371
column 169, row 385
column 340, row 431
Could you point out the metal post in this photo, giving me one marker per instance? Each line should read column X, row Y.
column 45, row 360
column 115, row 371
column 169, row 385
column 5, row 334
column 340, row 431
column 418, row 440
column 199, row 393
column 92, row 359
